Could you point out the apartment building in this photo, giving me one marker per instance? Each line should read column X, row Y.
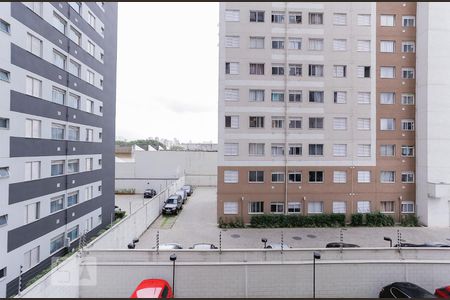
column 317, row 109
column 57, row 124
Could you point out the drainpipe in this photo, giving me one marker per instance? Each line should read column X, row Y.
column 286, row 99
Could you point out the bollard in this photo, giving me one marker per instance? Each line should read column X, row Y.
column 157, row 242
column 220, row 242
column 20, row 279
column 281, row 242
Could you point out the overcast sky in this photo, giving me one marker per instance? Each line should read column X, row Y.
column 167, row 73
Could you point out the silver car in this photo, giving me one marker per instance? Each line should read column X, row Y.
column 169, row 246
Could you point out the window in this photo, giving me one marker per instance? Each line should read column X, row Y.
column 408, row 125
column 295, row 96
column 89, row 164
column 256, row 176
column 277, row 207
column 340, row 97
column 231, row 15
column 58, row 95
column 295, row 69
column 409, row 47
column 277, row 17
column 4, row 123
column 59, row 23
column 387, row 20
column 4, row 75
column 363, row 20
column 256, row 95
column 316, row 18
column 57, row 167
column 339, row 150
column 339, row 19
column 387, row 176
column 34, row 44
column 363, row 150
column 340, row 123
column 232, row 41
column 387, row 46
column 316, row 44
column 256, row 42
column 231, row 149
column 59, row 59
column 339, row 71
column 231, row 95
column 73, row 166
column 256, row 207
column 33, row 86
column 315, row 70
column 363, row 46
column 277, row 149
column 387, row 98
column 56, row 243
column 91, row 19
column 31, row 258
column 5, row 26
column 230, row 208
column 90, row 76
column 277, row 43
column 363, row 207
column 387, row 150
column 58, row 131
column 408, row 21
column 232, row 122
column 230, row 176
column 408, row 73
column 277, row 69
column 256, row 149
column 407, row 207
column 387, row 206
column 33, row 212
column 387, row 72
column 315, row 176
column 363, row 124
column 339, row 176
column 339, row 44
column 295, row 43
column 363, row 71
column 73, row 101
column 295, row 123
column 75, row 36
column 316, row 96
column 90, row 106
column 295, row 17
column 232, row 68
column 91, row 48
column 295, row 149
column 277, row 96
column 407, row 99
column 256, row 16
column 408, row 177
column 32, row 128
column 277, row 177
column 76, row 6
column 277, row 122
column 256, row 69
column 4, row 172
column 32, row 170
column 74, row 68
column 36, row 7
column 294, row 207
column 315, row 149
column 339, row 207
column 407, row 150
column 363, row 176
column 315, row 123
column 72, row 199
column 89, row 223
column 295, row 177
column 256, row 122
column 72, row 234
column 89, row 192
column 315, row 207
column 387, row 124
column 3, row 272
column 56, row 204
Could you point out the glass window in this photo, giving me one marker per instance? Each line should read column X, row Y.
column 256, row 16
column 387, row 124
column 340, row 19
column 72, row 199
column 232, row 68
column 316, row 96
column 74, row 101
column 232, row 122
column 363, row 207
column 295, row 123
column 295, row 17
column 31, row 258
column 277, row 207
column 315, row 70
column 33, row 87
column 34, row 45
column 256, row 95
column 256, row 176
column 340, row 123
column 56, row 243
column 72, row 234
column 32, row 128
column 387, row 72
column 56, row 204
column 277, row 122
column 4, row 26
column 339, row 150
column 256, row 207
column 387, row 20
column 316, row 44
column 4, row 123
column 256, row 149
column 230, row 208
column 363, row 176
column 59, row 59
column 339, row 176
column 231, row 94
column 4, row 75
column 277, row 69
column 90, row 76
column 231, row 176
column 75, row 36
column 363, row 20
column 339, row 207
column 277, row 177
column 256, row 42
column 57, row 167
column 315, row 176
column 295, row 177
column 277, row 149
column 231, row 149
column 74, row 68
column 387, row 46
column 387, row 150
column 232, row 41
column 315, row 207
column 387, row 176
column 277, row 17
column 58, row 95
column 256, row 122
column 294, row 207
column 408, row 177
column 315, row 149
column 387, row 206
column 33, row 212
column 232, row 15
column 387, row 98
column 32, row 170
column 316, row 18
column 73, row 166
column 363, row 150
column 58, row 131
column 256, row 69
column 407, row 207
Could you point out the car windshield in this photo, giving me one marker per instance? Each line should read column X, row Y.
column 171, row 201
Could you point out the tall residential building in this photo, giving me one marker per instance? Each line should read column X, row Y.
column 317, row 109
column 57, row 128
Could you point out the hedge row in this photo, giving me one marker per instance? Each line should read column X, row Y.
column 277, row 221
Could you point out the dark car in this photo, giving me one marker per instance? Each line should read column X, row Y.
column 188, row 189
column 149, row 193
column 339, row 245
column 404, row 290
column 172, row 205
column 429, row 244
column 203, row 246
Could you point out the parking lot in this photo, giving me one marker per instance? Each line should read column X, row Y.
column 197, row 223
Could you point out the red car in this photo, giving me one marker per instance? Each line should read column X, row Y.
column 153, row 288
column 443, row 292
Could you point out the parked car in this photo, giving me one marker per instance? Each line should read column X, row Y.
column 339, row 245
column 202, row 246
column 153, row 288
column 149, row 193
column 404, row 290
column 428, row 244
column 277, row 246
column 183, row 194
column 169, row 246
column 172, row 205
column 443, row 292
column 188, row 189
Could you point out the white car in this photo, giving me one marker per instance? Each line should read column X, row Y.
column 183, row 194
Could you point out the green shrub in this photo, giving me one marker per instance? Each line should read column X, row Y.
column 283, row 221
column 379, row 220
column 357, row 219
column 119, row 214
column 409, row 221
column 231, row 223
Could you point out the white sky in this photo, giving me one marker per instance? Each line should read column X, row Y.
column 167, row 71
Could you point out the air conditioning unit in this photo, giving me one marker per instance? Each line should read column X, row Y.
column 67, row 242
column 438, row 190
